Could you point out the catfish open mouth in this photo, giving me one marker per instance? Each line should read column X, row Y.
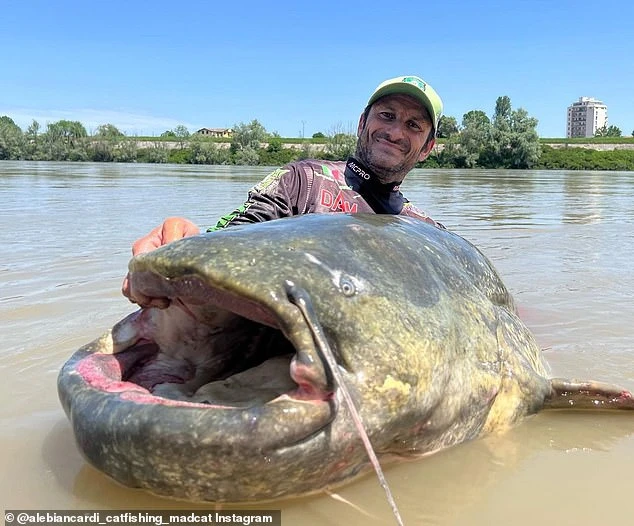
column 212, row 346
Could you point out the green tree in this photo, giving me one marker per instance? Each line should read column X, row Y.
column 108, row 131
column 318, row 135
column 101, row 151
column 157, row 153
column 248, row 135
column 340, row 143
column 248, row 156
column 275, row 154
column 613, row 131
column 307, row 151
column 503, row 113
column 106, row 141
column 523, row 147
column 33, row 129
column 69, row 132
column 32, row 141
column 181, row 133
column 11, row 139
column 463, row 150
column 64, row 141
column 245, row 142
column 601, row 132
column 476, row 119
column 275, row 144
column 608, row 131
column 8, row 121
column 508, row 140
column 515, row 142
column 495, row 150
column 126, row 151
column 447, row 127
column 203, row 151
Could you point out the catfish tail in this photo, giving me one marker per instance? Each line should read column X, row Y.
column 575, row 394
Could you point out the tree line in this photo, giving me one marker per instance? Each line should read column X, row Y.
column 506, row 139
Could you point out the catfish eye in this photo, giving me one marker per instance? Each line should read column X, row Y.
column 347, row 286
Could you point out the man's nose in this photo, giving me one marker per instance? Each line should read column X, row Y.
column 396, row 131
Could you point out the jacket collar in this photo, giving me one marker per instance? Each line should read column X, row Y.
column 383, row 198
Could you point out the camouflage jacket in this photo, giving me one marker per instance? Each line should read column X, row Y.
column 310, row 186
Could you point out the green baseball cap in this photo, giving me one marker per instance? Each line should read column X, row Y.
column 415, row 87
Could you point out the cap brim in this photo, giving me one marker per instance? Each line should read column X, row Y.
column 414, row 87
column 407, row 89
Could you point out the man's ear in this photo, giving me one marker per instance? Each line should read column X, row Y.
column 426, row 150
column 361, row 124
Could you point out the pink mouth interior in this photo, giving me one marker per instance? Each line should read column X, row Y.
column 107, row 372
column 137, row 375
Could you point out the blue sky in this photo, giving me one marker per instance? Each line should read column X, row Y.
column 149, row 66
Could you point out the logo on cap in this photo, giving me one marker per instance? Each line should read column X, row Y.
column 416, row 81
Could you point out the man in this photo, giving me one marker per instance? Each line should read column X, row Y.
column 396, row 130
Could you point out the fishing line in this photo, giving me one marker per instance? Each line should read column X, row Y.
column 301, row 299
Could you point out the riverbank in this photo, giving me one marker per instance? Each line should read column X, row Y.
column 558, row 154
column 299, row 144
column 601, row 147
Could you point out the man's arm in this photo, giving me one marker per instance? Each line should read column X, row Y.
column 276, row 196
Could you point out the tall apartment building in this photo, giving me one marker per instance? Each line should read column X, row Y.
column 585, row 117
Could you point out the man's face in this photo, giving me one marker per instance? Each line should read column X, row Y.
column 393, row 138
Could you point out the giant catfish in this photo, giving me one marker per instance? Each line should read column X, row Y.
column 224, row 394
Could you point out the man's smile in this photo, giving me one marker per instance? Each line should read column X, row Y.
column 385, row 141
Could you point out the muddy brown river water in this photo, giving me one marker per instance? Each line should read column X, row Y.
column 562, row 241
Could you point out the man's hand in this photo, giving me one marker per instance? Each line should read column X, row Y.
column 172, row 229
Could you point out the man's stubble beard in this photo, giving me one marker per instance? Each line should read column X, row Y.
column 392, row 174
